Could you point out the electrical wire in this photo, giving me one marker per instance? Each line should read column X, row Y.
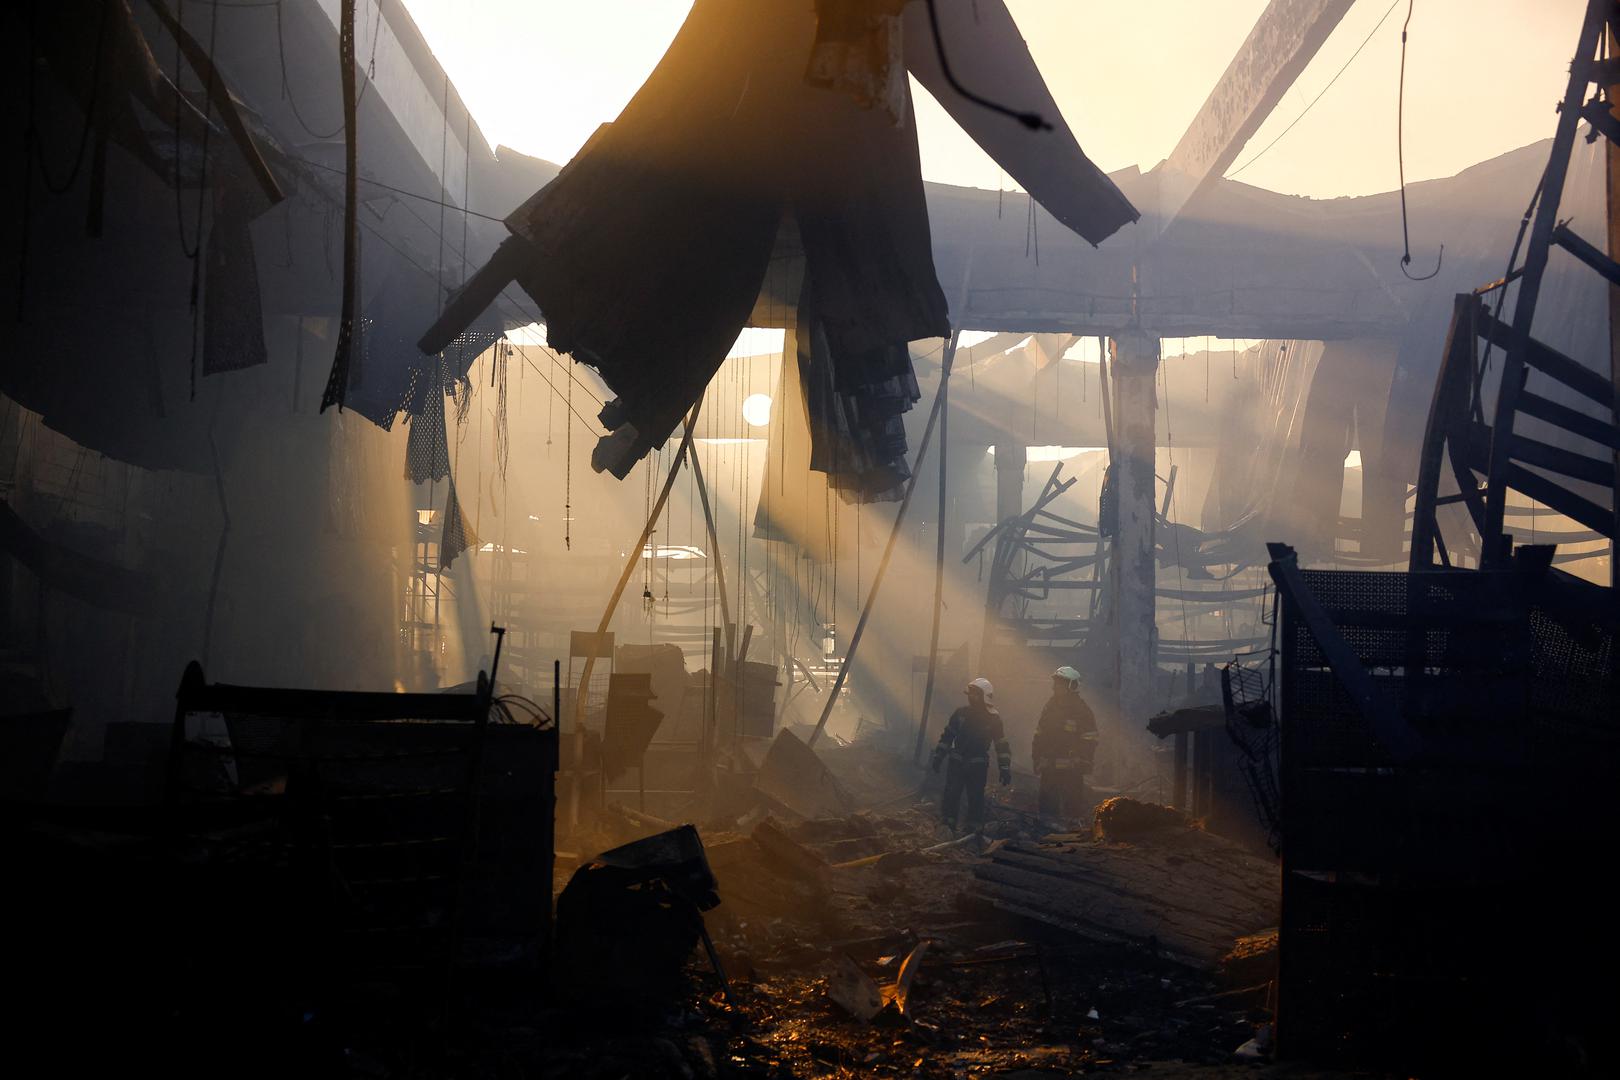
column 1400, row 158
column 521, row 305
column 1318, row 97
column 1032, row 120
column 523, row 352
column 281, row 54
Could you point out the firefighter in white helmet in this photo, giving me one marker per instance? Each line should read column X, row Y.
column 1065, row 746
column 965, row 743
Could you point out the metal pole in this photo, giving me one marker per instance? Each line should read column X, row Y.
column 711, row 712
column 631, row 563
column 888, row 552
column 939, row 545
column 1492, row 554
column 714, row 546
column 1611, row 172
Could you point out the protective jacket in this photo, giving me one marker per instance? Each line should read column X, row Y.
column 969, row 735
column 1065, row 734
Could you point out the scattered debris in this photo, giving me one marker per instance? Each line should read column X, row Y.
column 853, row 990
column 1124, row 818
column 1181, row 893
column 900, row 994
column 860, row 995
column 1252, row 960
column 629, row 919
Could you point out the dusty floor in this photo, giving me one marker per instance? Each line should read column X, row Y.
column 993, row 995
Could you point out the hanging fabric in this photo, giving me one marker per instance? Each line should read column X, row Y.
column 427, row 449
column 458, row 535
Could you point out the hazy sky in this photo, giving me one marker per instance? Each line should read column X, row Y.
column 1482, row 78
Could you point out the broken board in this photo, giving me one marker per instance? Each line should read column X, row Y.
column 1186, row 895
column 794, row 776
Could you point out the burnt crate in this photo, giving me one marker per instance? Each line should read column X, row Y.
column 413, row 833
column 1421, row 896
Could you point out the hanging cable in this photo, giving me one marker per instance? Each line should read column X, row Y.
column 1400, row 158
column 195, row 254
column 286, row 90
column 1318, row 97
column 568, row 470
column 32, row 153
column 1032, row 120
column 650, row 550
column 553, row 385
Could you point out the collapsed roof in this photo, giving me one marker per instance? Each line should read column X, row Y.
column 770, row 161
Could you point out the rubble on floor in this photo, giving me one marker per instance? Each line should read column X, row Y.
column 1176, row 891
column 627, row 919
column 878, row 942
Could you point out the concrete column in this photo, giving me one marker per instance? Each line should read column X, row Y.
column 1135, row 363
column 1011, row 462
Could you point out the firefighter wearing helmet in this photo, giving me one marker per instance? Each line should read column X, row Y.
column 1065, row 745
column 969, row 735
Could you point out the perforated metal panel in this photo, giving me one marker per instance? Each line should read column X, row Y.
column 1396, row 875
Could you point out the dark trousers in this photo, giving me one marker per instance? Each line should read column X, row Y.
column 1063, row 792
column 964, row 777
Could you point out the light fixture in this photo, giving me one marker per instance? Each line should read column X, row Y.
column 1053, row 453
column 675, row 552
column 756, row 409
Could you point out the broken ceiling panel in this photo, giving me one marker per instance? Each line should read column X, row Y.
column 988, row 55
column 746, row 166
column 648, row 252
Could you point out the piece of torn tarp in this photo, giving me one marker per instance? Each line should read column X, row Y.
column 458, row 535
column 987, row 54
column 101, row 57
column 390, row 375
column 799, row 780
column 648, row 252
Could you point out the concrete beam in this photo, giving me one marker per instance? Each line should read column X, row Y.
column 1011, row 468
column 1134, row 365
column 1285, row 37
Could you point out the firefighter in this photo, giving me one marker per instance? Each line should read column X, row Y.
column 965, row 743
column 1065, row 745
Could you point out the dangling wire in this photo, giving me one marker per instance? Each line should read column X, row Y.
column 503, row 441
column 1400, row 158
column 1032, row 120
column 568, row 469
column 193, row 252
column 548, row 408
column 668, row 545
column 650, row 550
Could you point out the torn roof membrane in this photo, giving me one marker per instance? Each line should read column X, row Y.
column 648, row 253
column 987, row 54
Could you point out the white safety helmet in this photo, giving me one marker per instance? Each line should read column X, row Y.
column 982, row 685
column 1069, row 675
